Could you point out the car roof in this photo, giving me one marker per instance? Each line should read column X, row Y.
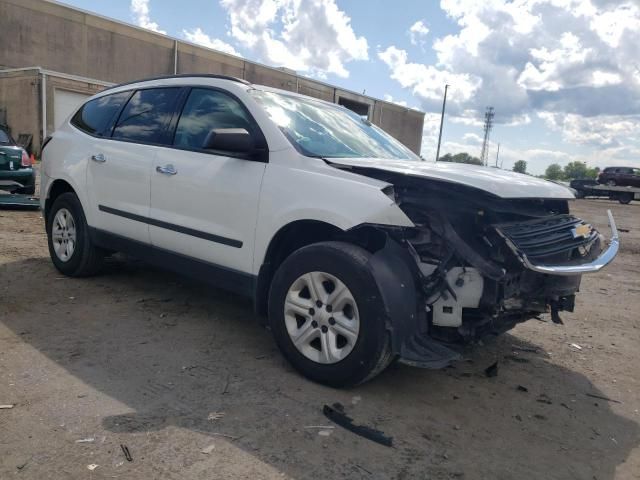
column 203, row 79
column 181, row 75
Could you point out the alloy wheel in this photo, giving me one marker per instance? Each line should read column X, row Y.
column 321, row 317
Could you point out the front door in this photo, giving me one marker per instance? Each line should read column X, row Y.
column 205, row 205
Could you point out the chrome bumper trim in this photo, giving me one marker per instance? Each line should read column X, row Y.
column 595, row 266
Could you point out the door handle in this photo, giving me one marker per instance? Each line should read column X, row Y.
column 167, row 170
column 98, row 157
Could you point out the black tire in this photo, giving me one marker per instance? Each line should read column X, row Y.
column 625, row 198
column 86, row 259
column 579, row 194
column 348, row 263
column 611, row 183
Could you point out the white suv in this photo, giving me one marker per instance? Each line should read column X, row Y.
column 356, row 250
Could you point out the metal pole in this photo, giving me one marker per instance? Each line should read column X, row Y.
column 175, row 57
column 444, row 103
column 43, row 85
column 497, row 154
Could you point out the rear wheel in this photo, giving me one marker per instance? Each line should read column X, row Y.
column 625, row 198
column 70, row 246
column 327, row 316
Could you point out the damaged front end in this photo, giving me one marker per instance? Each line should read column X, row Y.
column 479, row 265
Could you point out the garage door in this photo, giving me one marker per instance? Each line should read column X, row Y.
column 64, row 104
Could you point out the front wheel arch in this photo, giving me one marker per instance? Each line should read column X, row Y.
column 287, row 240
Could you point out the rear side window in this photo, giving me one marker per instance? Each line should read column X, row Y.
column 147, row 115
column 96, row 116
column 4, row 137
column 205, row 110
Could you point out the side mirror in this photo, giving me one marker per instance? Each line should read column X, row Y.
column 236, row 140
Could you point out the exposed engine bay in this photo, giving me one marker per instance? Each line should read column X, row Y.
column 482, row 264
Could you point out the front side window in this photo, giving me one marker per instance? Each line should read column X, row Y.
column 318, row 129
column 205, row 110
column 96, row 116
column 147, row 115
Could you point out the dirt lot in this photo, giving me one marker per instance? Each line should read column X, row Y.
column 143, row 358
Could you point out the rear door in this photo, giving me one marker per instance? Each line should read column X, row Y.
column 205, row 204
column 119, row 173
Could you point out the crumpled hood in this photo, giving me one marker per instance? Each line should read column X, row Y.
column 501, row 183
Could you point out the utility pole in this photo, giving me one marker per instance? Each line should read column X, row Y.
column 497, row 154
column 444, row 103
column 488, row 125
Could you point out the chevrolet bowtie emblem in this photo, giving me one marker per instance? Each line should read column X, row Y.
column 582, row 231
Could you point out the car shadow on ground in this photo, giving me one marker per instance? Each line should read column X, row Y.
column 173, row 353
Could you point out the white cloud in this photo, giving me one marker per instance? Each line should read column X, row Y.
column 312, row 36
column 417, row 33
column 389, row 98
column 427, row 81
column 575, row 61
column 603, row 131
column 140, row 11
column 472, row 138
column 600, row 78
column 553, row 64
column 198, row 36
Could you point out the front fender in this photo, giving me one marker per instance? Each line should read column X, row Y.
column 394, row 271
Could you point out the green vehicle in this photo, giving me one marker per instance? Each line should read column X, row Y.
column 16, row 171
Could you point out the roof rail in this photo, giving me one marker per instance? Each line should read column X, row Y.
column 182, row 75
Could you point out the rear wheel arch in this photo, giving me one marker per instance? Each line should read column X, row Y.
column 58, row 187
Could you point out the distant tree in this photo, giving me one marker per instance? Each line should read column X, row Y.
column 460, row 158
column 520, row 166
column 593, row 172
column 554, row 172
column 575, row 169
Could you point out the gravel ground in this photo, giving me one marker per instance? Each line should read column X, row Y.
column 168, row 367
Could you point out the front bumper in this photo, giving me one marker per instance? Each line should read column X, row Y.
column 595, row 265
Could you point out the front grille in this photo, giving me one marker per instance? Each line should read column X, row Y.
column 548, row 237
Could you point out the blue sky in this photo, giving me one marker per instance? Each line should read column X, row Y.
column 562, row 75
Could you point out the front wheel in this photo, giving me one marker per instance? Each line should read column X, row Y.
column 327, row 315
column 70, row 246
column 611, row 183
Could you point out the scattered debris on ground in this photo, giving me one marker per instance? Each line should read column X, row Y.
column 336, row 414
column 213, row 416
column 602, row 397
column 491, row 370
column 126, row 452
column 208, row 449
column 86, row 440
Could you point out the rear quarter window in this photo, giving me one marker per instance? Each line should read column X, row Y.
column 96, row 117
column 5, row 138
